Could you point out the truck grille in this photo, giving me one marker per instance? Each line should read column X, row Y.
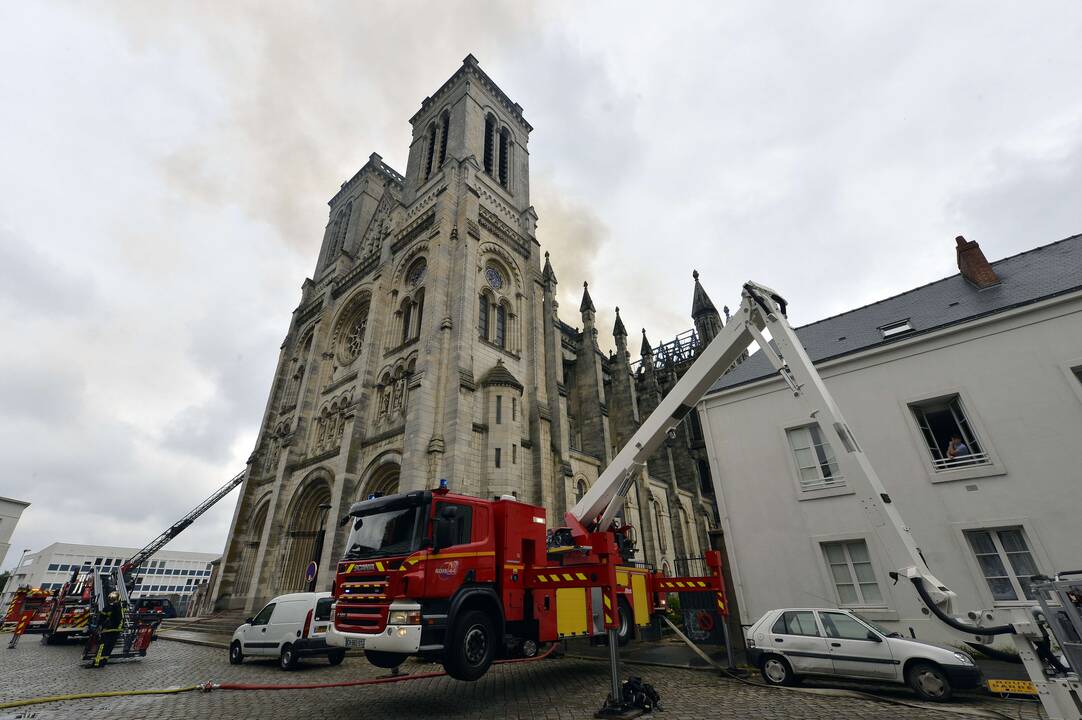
column 362, row 604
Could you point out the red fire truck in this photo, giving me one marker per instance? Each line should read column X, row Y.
column 27, row 598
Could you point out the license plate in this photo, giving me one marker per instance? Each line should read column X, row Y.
column 355, row 643
column 1016, row 687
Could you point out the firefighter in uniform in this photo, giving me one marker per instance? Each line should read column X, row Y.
column 110, row 623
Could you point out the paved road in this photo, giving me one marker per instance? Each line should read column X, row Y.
column 544, row 689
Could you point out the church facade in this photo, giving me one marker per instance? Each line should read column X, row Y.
column 427, row 344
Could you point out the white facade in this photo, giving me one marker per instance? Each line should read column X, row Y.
column 168, row 572
column 984, row 521
column 10, row 512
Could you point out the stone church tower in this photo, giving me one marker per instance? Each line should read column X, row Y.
column 427, row 345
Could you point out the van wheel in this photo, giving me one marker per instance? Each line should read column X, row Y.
column 288, row 659
column 929, row 682
column 473, row 644
column 386, row 660
column 776, row 671
column 335, row 657
column 236, row 655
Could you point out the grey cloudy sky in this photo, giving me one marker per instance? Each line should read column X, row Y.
column 166, row 167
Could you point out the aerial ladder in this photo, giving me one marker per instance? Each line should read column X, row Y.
column 92, row 593
column 762, row 311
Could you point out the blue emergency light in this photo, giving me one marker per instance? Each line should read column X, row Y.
column 443, row 483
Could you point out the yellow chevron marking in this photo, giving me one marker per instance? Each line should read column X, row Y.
column 350, row 568
column 702, row 584
column 379, row 566
column 567, row 576
column 580, row 576
column 608, row 603
column 542, row 578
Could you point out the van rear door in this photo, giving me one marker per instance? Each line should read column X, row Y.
column 321, row 617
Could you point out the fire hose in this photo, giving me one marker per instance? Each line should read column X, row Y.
column 210, row 685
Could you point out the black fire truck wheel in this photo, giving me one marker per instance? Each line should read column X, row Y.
column 288, row 659
column 335, row 657
column 236, row 655
column 386, row 660
column 473, row 644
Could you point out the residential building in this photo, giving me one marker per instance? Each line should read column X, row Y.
column 10, row 512
column 965, row 394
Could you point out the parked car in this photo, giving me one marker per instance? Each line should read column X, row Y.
column 289, row 627
column 789, row 643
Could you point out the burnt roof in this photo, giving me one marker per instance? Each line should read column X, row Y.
column 1027, row 277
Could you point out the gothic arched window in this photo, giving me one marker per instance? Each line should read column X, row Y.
column 407, row 317
column 430, row 150
column 501, row 326
column 490, row 138
column 580, row 490
column 445, row 122
column 505, row 156
column 482, row 316
column 338, row 232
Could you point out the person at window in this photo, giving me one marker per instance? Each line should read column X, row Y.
column 957, row 448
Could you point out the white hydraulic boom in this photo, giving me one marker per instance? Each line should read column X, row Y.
column 762, row 309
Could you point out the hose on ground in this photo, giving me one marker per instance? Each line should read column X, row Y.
column 84, row 696
column 208, row 686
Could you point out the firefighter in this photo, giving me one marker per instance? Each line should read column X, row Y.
column 110, row 623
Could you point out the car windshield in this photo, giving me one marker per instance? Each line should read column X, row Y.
column 878, row 628
column 385, row 531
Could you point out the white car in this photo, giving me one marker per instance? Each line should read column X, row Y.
column 289, row 627
column 790, row 643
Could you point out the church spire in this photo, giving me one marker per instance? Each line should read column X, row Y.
column 707, row 319
column 645, row 349
column 587, row 304
column 618, row 329
column 547, row 274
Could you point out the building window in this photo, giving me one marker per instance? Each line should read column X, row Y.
column 1005, row 561
column 947, row 434
column 514, row 454
column 852, row 573
column 54, row 567
column 514, row 409
column 482, row 317
column 430, row 150
column 580, row 490
column 445, row 123
column 497, row 457
column 501, row 326
column 505, row 159
column 814, row 457
column 895, row 328
column 499, row 409
column 490, row 137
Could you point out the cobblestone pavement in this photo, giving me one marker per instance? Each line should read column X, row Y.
column 543, row 689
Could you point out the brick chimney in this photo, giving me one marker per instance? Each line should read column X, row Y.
column 973, row 265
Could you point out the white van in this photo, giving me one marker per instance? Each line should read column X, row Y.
column 289, row 627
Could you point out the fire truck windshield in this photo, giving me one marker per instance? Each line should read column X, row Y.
column 385, row 531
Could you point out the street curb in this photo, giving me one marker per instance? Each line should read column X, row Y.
column 192, row 641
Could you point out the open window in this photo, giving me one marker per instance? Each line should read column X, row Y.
column 948, row 434
column 815, row 461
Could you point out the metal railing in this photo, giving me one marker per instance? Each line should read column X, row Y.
column 941, row 464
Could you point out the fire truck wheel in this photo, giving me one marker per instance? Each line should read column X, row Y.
column 386, row 660
column 236, row 655
column 473, row 641
column 624, row 630
column 335, row 657
column 288, row 659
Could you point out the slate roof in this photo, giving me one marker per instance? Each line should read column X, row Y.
column 500, row 375
column 1028, row 277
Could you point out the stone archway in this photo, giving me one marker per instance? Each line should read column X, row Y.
column 302, row 533
column 382, row 476
column 249, row 548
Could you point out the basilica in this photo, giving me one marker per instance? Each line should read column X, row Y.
column 428, row 345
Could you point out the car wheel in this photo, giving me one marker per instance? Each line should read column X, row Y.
column 335, row 657
column 288, row 659
column 776, row 671
column 236, row 655
column 929, row 682
column 528, row 649
column 473, row 642
column 386, row 660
